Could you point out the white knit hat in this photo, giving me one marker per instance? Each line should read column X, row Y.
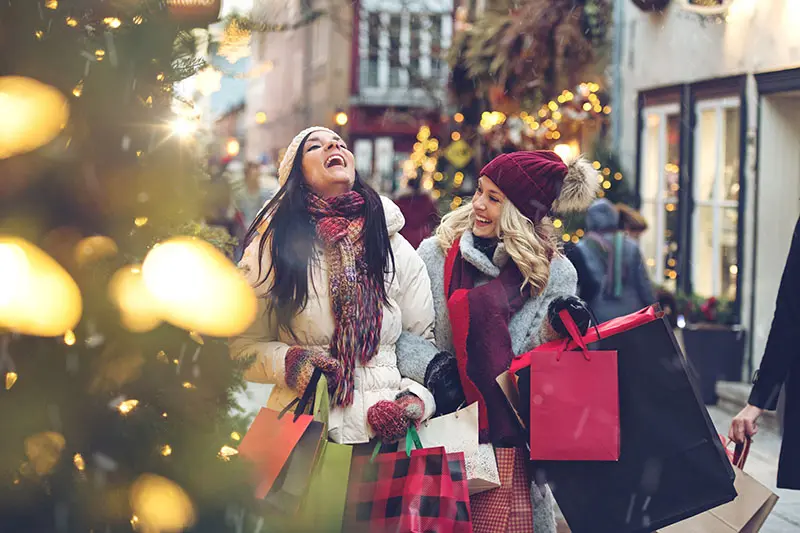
column 291, row 151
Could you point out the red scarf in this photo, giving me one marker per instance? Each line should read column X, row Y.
column 356, row 302
column 479, row 318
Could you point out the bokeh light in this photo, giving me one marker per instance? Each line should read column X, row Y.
column 160, row 504
column 37, row 296
column 198, row 289
column 33, row 115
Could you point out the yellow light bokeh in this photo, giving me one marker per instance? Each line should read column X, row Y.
column 11, row 378
column 37, row 296
column 78, row 90
column 138, row 310
column 112, row 22
column 79, row 463
column 69, row 338
column 341, row 118
column 557, row 223
column 236, row 436
column 127, row 406
column 458, row 117
column 33, row 115
column 94, row 248
column 198, row 289
column 566, row 237
column 455, row 136
column 44, row 451
column 160, row 504
column 232, row 147
column 261, row 117
column 72, row 22
column 226, row 452
column 166, row 450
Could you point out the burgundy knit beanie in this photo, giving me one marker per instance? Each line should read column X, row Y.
column 539, row 182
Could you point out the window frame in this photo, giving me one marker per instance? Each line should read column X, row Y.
column 660, row 200
column 717, row 204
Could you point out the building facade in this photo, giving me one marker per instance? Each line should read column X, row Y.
column 302, row 75
column 399, row 80
column 709, row 119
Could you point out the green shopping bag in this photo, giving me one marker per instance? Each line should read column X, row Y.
column 323, row 507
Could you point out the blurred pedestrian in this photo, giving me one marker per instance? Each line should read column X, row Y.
column 419, row 210
column 780, row 368
column 614, row 258
column 631, row 221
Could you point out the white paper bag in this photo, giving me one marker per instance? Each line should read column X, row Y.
column 458, row 432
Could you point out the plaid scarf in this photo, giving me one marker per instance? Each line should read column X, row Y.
column 355, row 299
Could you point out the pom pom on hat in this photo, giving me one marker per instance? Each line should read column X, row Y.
column 291, row 151
column 579, row 188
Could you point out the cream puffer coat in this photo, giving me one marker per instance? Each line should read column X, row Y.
column 409, row 311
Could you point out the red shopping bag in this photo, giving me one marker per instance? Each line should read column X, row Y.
column 574, row 400
column 282, row 448
column 410, row 491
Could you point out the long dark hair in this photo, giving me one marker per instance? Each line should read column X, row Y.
column 292, row 234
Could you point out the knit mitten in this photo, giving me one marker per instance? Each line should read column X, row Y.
column 443, row 380
column 577, row 310
column 390, row 420
column 300, row 365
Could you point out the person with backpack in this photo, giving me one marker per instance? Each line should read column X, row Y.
column 614, row 259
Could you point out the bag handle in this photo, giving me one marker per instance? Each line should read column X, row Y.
column 305, row 402
column 412, row 441
column 741, row 452
column 572, row 329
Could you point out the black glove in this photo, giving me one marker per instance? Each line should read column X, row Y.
column 442, row 379
column 577, row 310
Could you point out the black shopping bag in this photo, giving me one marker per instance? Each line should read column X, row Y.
column 672, row 464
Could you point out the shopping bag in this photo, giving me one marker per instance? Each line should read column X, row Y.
column 458, row 432
column 508, row 508
column 745, row 514
column 324, row 503
column 671, row 465
column 574, row 400
column 283, row 449
column 416, row 490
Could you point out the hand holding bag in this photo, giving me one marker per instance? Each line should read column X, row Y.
column 746, row 514
column 283, row 451
column 574, row 400
column 458, row 432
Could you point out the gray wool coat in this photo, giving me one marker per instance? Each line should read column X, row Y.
column 527, row 327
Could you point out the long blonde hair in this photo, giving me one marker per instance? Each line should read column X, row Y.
column 531, row 246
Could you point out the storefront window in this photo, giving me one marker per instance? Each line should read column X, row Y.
column 715, row 259
column 660, row 183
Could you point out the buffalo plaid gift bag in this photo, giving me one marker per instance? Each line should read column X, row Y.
column 418, row 490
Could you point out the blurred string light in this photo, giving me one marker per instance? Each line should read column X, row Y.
column 138, row 310
column 37, row 296
column 11, row 379
column 226, row 452
column 94, row 248
column 232, row 147
column 159, row 504
column 44, row 451
column 33, row 115
column 189, row 283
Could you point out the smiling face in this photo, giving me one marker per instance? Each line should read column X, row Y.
column 328, row 166
column 487, row 206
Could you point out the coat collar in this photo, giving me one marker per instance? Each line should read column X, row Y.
column 477, row 258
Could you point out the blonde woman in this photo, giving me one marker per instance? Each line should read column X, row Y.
column 498, row 281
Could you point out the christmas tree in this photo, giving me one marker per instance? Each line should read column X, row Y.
column 115, row 383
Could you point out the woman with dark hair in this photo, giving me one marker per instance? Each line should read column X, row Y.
column 337, row 285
